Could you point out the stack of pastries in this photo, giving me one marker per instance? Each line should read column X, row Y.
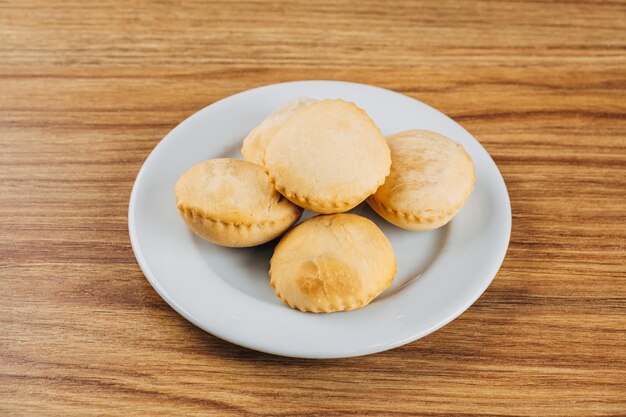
column 326, row 156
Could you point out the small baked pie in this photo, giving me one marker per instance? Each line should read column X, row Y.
column 256, row 142
column 431, row 178
column 332, row 263
column 233, row 203
column 328, row 157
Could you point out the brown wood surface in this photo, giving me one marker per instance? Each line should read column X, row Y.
column 87, row 89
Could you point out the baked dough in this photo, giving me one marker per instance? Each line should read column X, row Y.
column 256, row 142
column 431, row 178
column 332, row 263
column 233, row 203
column 328, row 157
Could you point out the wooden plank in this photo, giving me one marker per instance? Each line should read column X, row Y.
column 88, row 89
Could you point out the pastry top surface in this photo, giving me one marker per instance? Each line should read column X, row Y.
column 430, row 177
column 331, row 263
column 329, row 152
column 232, row 191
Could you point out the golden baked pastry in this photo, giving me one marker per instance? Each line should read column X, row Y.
column 332, row 263
column 328, row 157
column 256, row 142
column 431, row 178
column 233, row 203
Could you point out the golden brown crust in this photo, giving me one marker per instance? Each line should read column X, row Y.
column 325, row 275
column 328, row 157
column 431, row 179
column 232, row 203
column 332, row 263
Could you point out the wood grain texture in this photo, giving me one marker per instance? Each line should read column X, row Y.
column 87, row 89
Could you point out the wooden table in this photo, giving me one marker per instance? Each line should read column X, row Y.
column 88, row 89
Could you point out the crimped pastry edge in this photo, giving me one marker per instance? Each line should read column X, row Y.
column 193, row 213
column 379, row 206
column 311, row 202
column 333, row 308
column 237, row 235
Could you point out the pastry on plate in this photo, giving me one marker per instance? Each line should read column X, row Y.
column 431, row 178
column 256, row 142
column 328, row 157
column 332, row 263
column 233, row 203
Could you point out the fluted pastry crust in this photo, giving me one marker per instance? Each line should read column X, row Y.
column 328, row 157
column 233, row 203
column 332, row 263
column 431, row 179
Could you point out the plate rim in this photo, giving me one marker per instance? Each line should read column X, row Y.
column 150, row 276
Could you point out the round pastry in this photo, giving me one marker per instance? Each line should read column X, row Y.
column 256, row 142
column 233, row 203
column 328, row 157
column 431, row 178
column 332, row 263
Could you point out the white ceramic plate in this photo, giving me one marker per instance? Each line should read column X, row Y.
column 226, row 291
